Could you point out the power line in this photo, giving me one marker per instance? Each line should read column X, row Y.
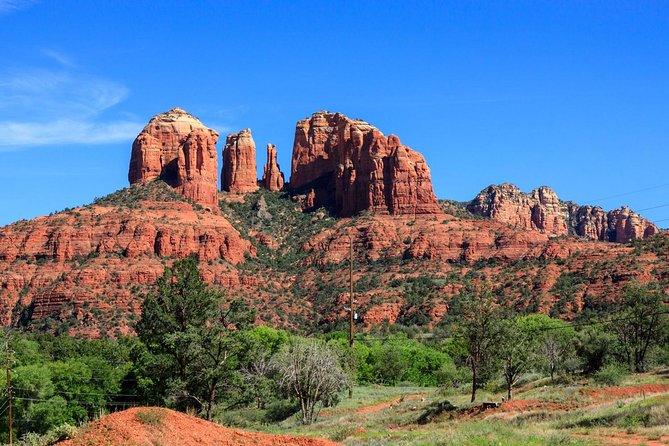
column 629, row 193
column 92, row 403
column 653, row 207
column 63, row 392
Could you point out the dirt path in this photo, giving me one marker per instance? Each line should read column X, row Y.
column 612, row 393
column 387, row 404
column 376, row 407
column 623, row 438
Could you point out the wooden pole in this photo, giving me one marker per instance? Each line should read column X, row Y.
column 351, row 321
column 9, row 396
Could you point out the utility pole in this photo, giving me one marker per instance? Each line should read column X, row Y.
column 9, row 396
column 9, row 389
column 351, row 321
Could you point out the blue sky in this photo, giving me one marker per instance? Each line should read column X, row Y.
column 573, row 95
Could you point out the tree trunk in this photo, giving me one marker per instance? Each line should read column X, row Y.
column 508, row 390
column 474, row 385
column 210, row 401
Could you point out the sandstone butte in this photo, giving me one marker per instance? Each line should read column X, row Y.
column 239, row 163
column 176, row 147
column 92, row 265
column 272, row 178
column 541, row 210
column 351, row 166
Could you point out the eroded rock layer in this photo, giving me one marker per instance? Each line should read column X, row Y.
column 178, row 148
column 351, row 166
column 542, row 211
column 272, row 178
column 239, row 163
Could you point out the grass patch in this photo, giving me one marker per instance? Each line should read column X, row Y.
column 151, row 417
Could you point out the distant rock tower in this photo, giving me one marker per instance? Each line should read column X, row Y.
column 178, row 148
column 239, row 163
column 272, row 178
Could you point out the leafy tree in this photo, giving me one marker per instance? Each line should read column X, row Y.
column 310, row 371
column 479, row 329
column 173, row 318
column 515, row 350
column 194, row 335
column 639, row 322
column 594, row 345
column 391, row 365
column 262, row 343
column 218, row 352
column 552, row 341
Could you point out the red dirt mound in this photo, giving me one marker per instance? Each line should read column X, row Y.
column 150, row 426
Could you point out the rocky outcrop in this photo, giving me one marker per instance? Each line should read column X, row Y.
column 542, row 211
column 272, row 178
column 626, row 225
column 172, row 229
column 239, row 163
column 178, row 148
column 350, row 166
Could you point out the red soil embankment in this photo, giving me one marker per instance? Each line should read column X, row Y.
column 150, row 426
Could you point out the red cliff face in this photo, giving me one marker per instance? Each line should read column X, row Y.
column 239, row 163
column 626, row 225
column 272, row 178
column 542, row 211
column 176, row 147
column 351, row 166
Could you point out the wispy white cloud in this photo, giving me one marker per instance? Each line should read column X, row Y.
column 65, row 131
column 59, row 57
column 61, row 106
column 7, row 6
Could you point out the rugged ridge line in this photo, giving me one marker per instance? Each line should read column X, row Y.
column 541, row 210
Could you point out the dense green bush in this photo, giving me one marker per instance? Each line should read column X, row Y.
column 611, row 374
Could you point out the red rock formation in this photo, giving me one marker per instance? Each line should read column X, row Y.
column 626, row 225
column 239, row 163
column 542, row 211
column 539, row 210
column 172, row 229
column 272, row 178
column 176, row 147
column 352, row 166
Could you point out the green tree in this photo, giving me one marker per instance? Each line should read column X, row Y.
column 553, row 341
column 640, row 322
column 594, row 346
column 194, row 335
column 391, row 365
column 515, row 351
column 480, row 329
